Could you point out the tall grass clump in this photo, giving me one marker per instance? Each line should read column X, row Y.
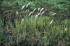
column 40, row 32
column 35, row 29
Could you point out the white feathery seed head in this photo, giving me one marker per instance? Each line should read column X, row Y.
column 51, row 21
column 54, row 13
column 30, row 13
column 28, row 10
column 23, row 6
column 41, row 9
column 27, row 4
column 38, row 9
column 22, row 20
column 37, row 16
column 65, row 28
column 16, row 12
column 42, row 13
column 34, row 9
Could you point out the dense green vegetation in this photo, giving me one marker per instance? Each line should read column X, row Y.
column 22, row 25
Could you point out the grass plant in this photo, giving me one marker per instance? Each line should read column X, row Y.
column 43, row 30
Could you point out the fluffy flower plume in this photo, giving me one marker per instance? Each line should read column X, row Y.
column 51, row 22
column 30, row 13
column 65, row 28
column 38, row 9
column 34, row 9
column 27, row 10
column 23, row 6
column 27, row 4
column 22, row 20
column 37, row 16
column 16, row 12
column 54, row 13
column 42, row 13
column 42, row 9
